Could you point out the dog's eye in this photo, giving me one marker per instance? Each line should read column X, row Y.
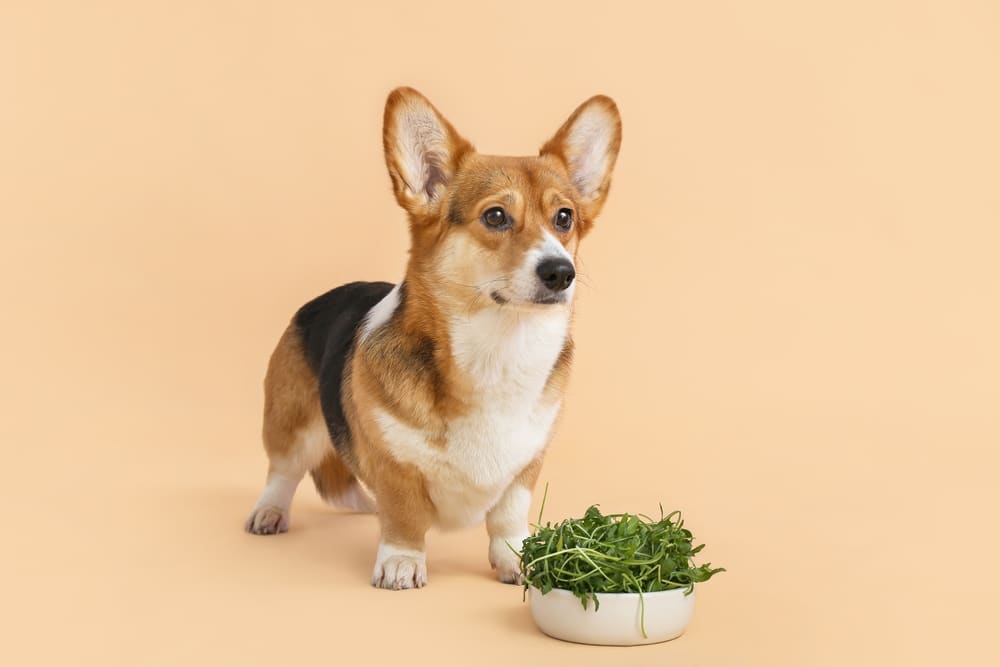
column 563, row 220
column 495, row 217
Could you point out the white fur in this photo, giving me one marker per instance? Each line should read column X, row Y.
column 508, row 355
column 279, row 491
column 381, row 312
column 398, row 568
column 271, row 513
column 509, row 517
column 507, row 524
column 552, row 246
column 589, row 149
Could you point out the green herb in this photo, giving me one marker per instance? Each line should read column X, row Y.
column 617, row 553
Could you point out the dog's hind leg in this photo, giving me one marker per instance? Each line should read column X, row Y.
column 306, row 450
column 295, row 435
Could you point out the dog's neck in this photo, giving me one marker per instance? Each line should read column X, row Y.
column 491, row 345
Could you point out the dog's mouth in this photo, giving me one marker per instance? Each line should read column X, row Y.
column 540, row 299
column 549, row 299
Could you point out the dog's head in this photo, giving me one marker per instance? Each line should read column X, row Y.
column 503, row 230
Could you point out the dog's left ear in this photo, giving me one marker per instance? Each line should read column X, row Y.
column 587, row 144
column 422, row 151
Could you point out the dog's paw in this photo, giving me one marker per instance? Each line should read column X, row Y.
column 398, row 569
column 506, row 563
column 267, row 521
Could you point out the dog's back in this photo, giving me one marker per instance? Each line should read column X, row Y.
column 327, row 327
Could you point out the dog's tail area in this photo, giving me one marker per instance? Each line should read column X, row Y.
column 337, row 485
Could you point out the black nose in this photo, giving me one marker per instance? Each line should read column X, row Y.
column 556, row 273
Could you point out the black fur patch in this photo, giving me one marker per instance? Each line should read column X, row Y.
column 327, row 327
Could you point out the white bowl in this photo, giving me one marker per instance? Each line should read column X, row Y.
column 560, row 614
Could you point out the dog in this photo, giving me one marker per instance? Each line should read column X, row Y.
column 430, row 402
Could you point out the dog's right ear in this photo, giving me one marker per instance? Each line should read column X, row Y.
column 587, row 144
column 422, row 151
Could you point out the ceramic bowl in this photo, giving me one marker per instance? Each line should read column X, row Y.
column 560, row 614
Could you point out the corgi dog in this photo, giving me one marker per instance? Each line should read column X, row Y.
column 430, row 402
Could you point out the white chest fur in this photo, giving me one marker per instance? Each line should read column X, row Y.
column 508, row 356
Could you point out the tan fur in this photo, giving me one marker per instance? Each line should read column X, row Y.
column 291, row 396
column 559, row 377
column 332, row 478
column 529, row 476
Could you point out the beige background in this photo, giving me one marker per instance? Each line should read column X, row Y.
column 789, row 329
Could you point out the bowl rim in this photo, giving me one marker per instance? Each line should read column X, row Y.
column 654, row 594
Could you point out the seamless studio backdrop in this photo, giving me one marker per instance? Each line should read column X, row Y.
column 788, row 328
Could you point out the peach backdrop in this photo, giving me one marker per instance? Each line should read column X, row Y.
column 789, row 331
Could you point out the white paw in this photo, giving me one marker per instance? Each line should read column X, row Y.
column 398, row 569
column 504, row 561
column 267, row 521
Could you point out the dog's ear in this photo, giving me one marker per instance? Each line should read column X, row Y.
column 422, row 151
column 587, row 144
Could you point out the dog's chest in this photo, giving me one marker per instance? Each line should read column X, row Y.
column 507, row 361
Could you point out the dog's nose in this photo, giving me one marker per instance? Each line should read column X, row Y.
column 556, row 273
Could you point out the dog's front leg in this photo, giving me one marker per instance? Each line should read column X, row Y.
column 507, row 525
column 405, row 515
